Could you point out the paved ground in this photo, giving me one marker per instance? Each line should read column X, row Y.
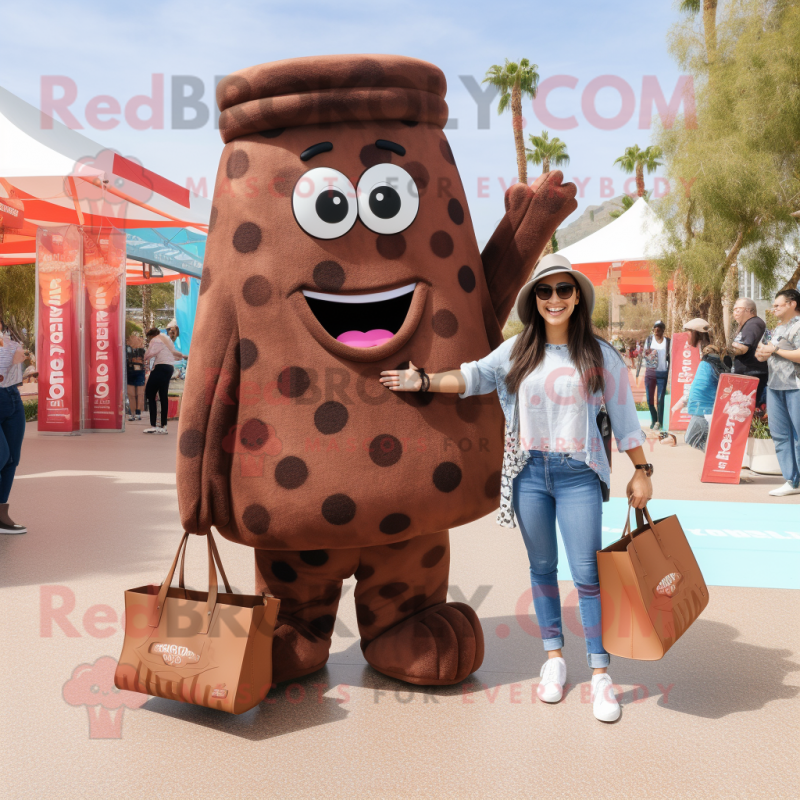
column 717, row 717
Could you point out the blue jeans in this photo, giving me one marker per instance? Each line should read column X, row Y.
column 783, row 409
column 553, row 486
column 655, row 386
column 12, row 430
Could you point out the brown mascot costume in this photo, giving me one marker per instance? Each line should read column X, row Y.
column 340, row 244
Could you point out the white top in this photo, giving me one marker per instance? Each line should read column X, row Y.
column 661, row 351
column 162, row 350
column 10, row 373
column 552, row 405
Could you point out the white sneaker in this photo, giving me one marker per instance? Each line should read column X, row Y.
column 553, row 676
column 162, row 430
column 784, row 490
column 604, row 700
column 151, row 430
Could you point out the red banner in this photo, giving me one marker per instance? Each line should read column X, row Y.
column 729, row 429
column 12, row 213
column 684, row 361
column 104, row 360
column 58, row 360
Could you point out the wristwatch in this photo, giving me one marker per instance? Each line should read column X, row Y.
column 648, row 468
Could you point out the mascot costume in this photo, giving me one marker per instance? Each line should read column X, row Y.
column 340, row 244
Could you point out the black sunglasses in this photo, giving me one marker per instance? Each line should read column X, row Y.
column 544, row 291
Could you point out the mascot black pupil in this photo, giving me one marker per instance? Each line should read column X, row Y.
column 384, row 202
column 331, row 206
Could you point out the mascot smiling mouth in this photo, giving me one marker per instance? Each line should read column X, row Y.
column 362, row 320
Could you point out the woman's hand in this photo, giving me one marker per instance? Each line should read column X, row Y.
column 639, row 489
column 402, row 380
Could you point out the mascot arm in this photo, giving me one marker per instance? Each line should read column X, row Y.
column 209, row 411
column 532, row 215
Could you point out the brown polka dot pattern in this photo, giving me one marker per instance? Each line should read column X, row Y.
column 447, row 476
column 371, row 155
column 247, row 237
column 293, row 382
column 442, row 244
column 291, row 472
column 272, row 134
column 364, row 614
column 205, row 280
column 256, row 290
column 256, row 520
column 338, row 509
column 466, row 279
column 394, row 523
column 444, row 323
column 238, row 164
column 314, row 558
column 447, row 153
column 413, row 603
column 392, row 590
column 283, row 183
column 385, row 450
column 391, row 246
column 329, row 276
column 331, row 417
column 246, row 353
column 323, row 624
column 212, row 220
column 284, row 572
column 492, row 487
column 191, row 443
column 433, row 556
column 468, row 409
column 253, row 435
column 456, row 211
column 419, row 172
column 363, row 572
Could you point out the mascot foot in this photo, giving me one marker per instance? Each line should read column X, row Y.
column 436, row 647
column 296, row 653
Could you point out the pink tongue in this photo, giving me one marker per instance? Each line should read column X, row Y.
column 371, row 338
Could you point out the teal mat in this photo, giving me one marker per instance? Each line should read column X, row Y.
column 736, row 544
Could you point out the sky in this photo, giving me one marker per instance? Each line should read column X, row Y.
column 117, row 49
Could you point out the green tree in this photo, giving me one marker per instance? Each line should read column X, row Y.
column 18, row 300
column 634, row 160
column 515, row 80
column 737, row 174
column 709, row 8
column 546, row 151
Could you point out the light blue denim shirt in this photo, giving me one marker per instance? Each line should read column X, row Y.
column 489, row 374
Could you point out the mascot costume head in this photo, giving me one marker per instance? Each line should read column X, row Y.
column 340, row 244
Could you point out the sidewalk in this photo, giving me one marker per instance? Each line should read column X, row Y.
column 717, row 717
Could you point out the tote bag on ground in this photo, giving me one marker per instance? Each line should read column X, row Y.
column 651, row 589
column 211, row 648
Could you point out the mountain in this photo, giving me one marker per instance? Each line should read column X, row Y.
column 592, row 219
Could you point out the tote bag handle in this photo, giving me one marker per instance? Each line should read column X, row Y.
column 212, row 583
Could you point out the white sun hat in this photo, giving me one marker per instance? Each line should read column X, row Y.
column 551, row 265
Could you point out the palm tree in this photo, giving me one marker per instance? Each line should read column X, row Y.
column 627, row 203
column 636, row 160
column 515, row 81
column 547, row 151
column 709, row 23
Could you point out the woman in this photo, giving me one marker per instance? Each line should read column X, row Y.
column 161, row 349
column 656, row 358
column 12, row 423
column 551, row 380
column 135, row 368
column 699, row 401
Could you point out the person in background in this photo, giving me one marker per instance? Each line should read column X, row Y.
column 173, row 331
column 781, row 351
column 12, row 423
column 751, row 330
column 134, row 358
column 655, row 356
column 164, row 356
column 699, row 401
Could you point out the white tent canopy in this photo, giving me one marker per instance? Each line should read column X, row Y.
column 636, row 235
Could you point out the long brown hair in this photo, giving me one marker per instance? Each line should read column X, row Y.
column 699, row 339
column 582, row 344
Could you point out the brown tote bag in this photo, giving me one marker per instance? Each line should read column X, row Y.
column 209, row 648
column 651, row 589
